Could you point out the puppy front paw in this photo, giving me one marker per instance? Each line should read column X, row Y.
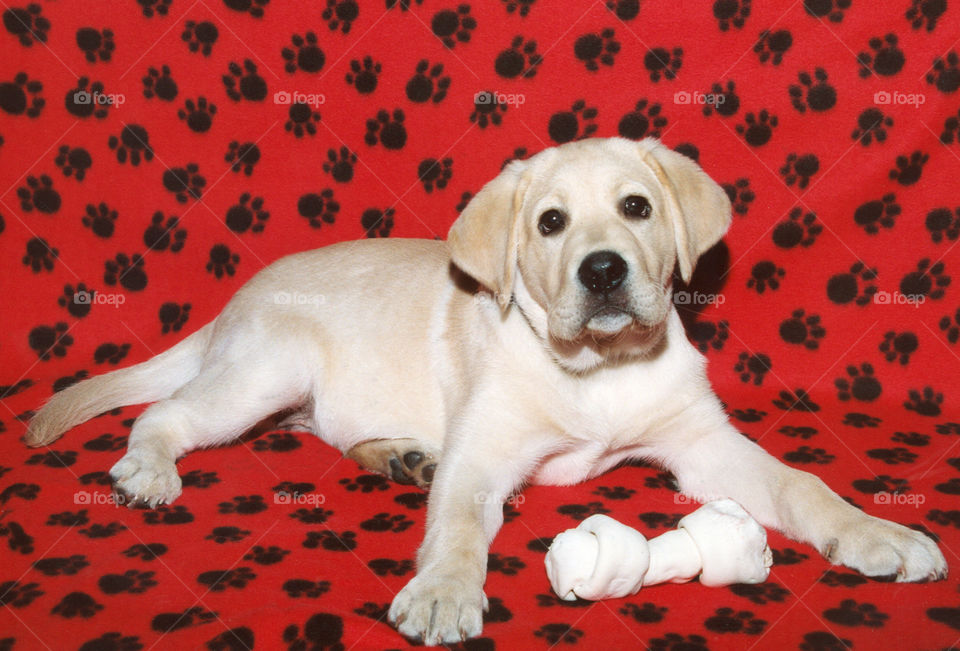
column 439, row 609
column 145, row 480
column 881, row 548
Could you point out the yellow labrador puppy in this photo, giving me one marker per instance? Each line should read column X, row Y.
column 566, row 359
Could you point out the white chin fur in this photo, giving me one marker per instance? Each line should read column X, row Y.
column 608, row 322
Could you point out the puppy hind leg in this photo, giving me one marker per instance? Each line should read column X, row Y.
column 405, row 460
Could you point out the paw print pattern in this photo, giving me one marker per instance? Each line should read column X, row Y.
column 306, row 588
column 184, row 182
column 133, row 144
column 162, row 235
column 50, row 340
column 872, row 124
column 813, row 92
column 644, row 120
column 252, row 7
column 128, row 271
column 798, row 229
column 159, row 84
column 796, row 400
column 321, row 631
column 662, row 63
column 305, row 54
column 39, row 194
column 596, row 49
column 725, row 102
column 925, row 13
column 771, row 46
column 765, row 274
column 676, row 642
column 340, row 164
column 945, row 73
column 623, row 9
column 518, row 60
column 740, row 195
column 566, row 126
column 222, row 261
column 77, row 301
column 153, row 8
column 851, row 613
column 951, row 326
column 909, row 169
column 846, row 287
column 860, row 421
column 242, row 157
column 331, row 541
column 387, row 129
column 555, row 633
column 301, row 120
column 220, row 580
column 173, row 316
column 892, row 456
column 487, row 109
column 200, row 37
column 760, row 593
column 752, row 368
column 387, row 522
column 860, row 384
column 830, row 9
column 39, row 255
column 803, row 330
column 802, row 432
column 899, row 346
column 508, row 565
column 376, row 222
column 277, row 442
column 927, row 281
column 435, row 174
column 885, row 58
column 247, row 215
column 318, row 208
column 731, row 13
column 340, row 14
column 198, row 115
column 615, row 492
column 366, row 483
column 943, row 224
column 453, row 26
column 707, row 335
column 18, row 595
column 757, row 129
column 428, row 83
column 915, row 439
column 130, row 582
column 100, row 219
column 648, row 613
column 580, row 512
column 925, row 402
column 95, row 44
column 244, row 83
column 385, row 566
column 364, row 75
column 749, row 415
column 799, row 169
column 727, row 620
column 28, row 24
column 87, row 99
column 73, row 161
column 878, row 213
column 266, row 555
column 221, row 535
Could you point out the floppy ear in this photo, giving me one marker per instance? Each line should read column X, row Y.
column 484, row 240
column 699, row 207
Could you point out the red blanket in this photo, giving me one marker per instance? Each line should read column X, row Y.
column 155, row 154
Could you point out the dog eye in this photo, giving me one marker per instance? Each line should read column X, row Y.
column 551, row 222
column 637, row 207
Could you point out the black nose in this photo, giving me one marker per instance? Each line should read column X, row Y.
column 602, row 271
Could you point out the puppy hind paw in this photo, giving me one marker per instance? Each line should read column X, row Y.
column 141, row 482
column 406, row 461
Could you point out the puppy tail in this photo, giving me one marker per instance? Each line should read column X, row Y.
column 155, row 379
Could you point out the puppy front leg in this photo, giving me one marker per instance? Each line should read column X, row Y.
column 723, row 463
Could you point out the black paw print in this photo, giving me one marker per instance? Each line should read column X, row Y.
column 86, row 99
column 154, row 7
column 366, row 483
column 387, row 522
column 77, row 301
column 27, row 23
column 508, row 565
column 39, row 255
column 168, row 515
column 925, row 12
column 760, row 593
column 244, row 82
column 740, row 195
column 565, row 126
column 277, row 442
column 331, row 540
column 306, row 588
column 757, row 129
column 915, row 439
column 648, row 613
column 387, row 129
column 266, row 555
column 788, row 556
column 50, row 340
column 860, row 384
column 173, row 316
column 644, row 120
column 110, row 353
column 200, row 37
column 133, row 143
column 428, row 83
column 899, row 346
column 655, row 520
column 595, row 49
column 796, row 400
column 412, row 501
column 364, row 75
column 521, row 7
column 678, row 642
column 724, row 100
column 765, row 274
column 305, row 54
column 748, row 415
column 877, row 213
column 942, row 223
column 222, row 261
column 925, row 402
column 340, row 164
column 100, row 219
column 95, row 44
column 252, row 7
column 340, row 14
column 518, row 60
column 726, row 620
column 892, row 456
column 19, row 540
column 302, row 120
column 73, row 161
column 558, row 632
column 376, row 222
column 615, row 492
column 582, row 511
column 198, row 115
column 831, row 9
column 885, row 59
column 131, row 582
column 435, row 174
column 799, row 229
column 771, row 46
column 242, row 157
column 321, row 631
column 872, row 125
column 799, row 169
column 66, row 566
column 161, row 235
column 18, row 595
column 663, row 63
column 199, row 478
column 844, row 288
column 945, row 74
column 385, row 566
column 247, row 215
column 488, row 109
column 220, row 580
column 845, row 579
column 453, row 26
column 318, row 209
column 951, row 326
column 752, row 367
column 851, row 613
column 707, row 335
column 860, row 421
column 184, row 182
column 731, row 13
column 813, row 92
column 801, row 432
column 39, row 194
column 128, row 271
column 806, row 454
column 909, row 169
column 927, row 281
column 221, row 535
column 623, row 9
column 159, row 84
column 54, row 459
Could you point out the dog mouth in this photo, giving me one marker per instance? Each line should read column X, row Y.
column 608, row 320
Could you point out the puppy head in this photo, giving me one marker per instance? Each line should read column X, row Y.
column 585, row 238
